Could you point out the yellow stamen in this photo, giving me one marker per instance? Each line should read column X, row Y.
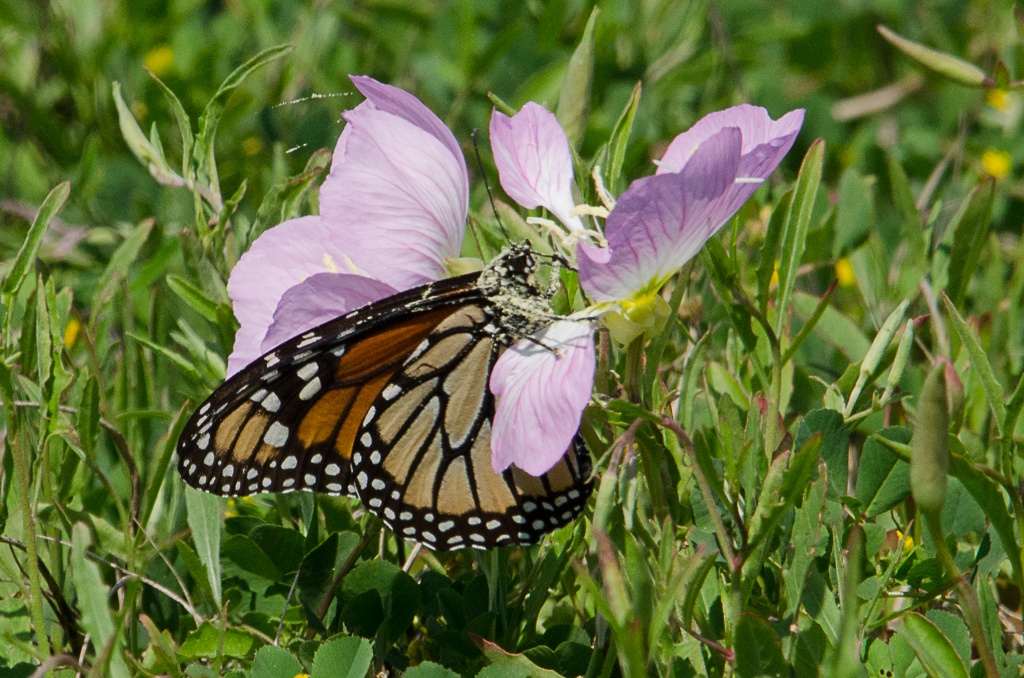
column 329, row 263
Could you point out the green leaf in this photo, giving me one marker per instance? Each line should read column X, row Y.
column 92, row 601
column 342, row 658
column 979, row 363
column 204, row 518
column 933, row 649
column 971, row 226
column 184, row 124
column 210, row 118
column 247, row 555
column 205, row 642
column 574, row 100
column 429, row 670
column 286, row 547
column 833, row 327
column 508, row 665
column 150, row 157
column 855, row 212
column 835, row 446
column 284, row 199
column 194, row 297
column 619, row 139
column 798, row 220
column 29, row 250
column 89, row 415
column 275, row 662
column 126, row 254
column 757, row 648
column 902, row 196
column 883, row 480
column 770, row 248
column 316, row 572
column 806, row 532
column 945, row 64
column 726, row 384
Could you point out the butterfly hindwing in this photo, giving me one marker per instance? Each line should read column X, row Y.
column 423, row 456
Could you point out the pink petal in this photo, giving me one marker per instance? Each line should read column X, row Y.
column 534, row 161
column 541, row 395
column 766, row 141
column 662, row 221
column 318, row 299
column 281, row 258
column 397, row 196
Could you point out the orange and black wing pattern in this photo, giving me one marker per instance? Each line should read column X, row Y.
column 289, row 420
column 390, row 404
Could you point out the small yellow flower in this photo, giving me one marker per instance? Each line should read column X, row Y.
column 160, row 59
column 996, row 98
column 252, row 146
column 301, row 675
column 908, row 545
column 845, row 274
column 775, row 274
column 997, row 163
column 71, row 332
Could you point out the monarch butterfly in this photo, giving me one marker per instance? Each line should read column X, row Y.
column 390, row 404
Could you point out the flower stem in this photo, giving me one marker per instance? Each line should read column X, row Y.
column 634, row 366
column 724, row 542
column 968, row 600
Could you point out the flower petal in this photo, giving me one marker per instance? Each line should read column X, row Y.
column 541, row 395
column 282, row 257
column 661, row 222
column 766, row 140
column 534, row 161
column 318, row 299
column 398, row 194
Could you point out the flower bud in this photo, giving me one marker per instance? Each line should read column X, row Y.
column 929, row 456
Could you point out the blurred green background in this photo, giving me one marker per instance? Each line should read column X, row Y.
column 58, row 60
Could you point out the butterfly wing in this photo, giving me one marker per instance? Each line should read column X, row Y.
column 289, row 420
column 422, row 459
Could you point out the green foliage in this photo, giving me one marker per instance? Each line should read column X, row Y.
column 754, row 513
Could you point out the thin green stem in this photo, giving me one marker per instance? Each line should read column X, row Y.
column 968, row 600
column 634, row 368
column 724, row 541
column 21, row 469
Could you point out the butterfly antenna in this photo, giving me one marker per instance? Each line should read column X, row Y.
column 479, row 162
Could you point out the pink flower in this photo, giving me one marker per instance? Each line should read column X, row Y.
column 393, row 215
column 655, row 227
column 661, row 222
column 534, row 161
column 393, row 209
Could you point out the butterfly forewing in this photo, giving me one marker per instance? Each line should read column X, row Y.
column 422, row 460
column 289, row 420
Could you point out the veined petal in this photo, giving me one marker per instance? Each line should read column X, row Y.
column 534, row 161
column 281, row 258
column 320, row 298
column 767, row 141
column 541, row 395
column 662, row 221
column 397, row 196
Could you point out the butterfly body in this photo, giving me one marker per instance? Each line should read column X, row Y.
column 390, row 403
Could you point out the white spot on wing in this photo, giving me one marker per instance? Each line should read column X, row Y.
column 310, row 389
column 391, row 392
column 277, row 435
column 332, row 469
column 289, row 463
column 203, row 442
column 271, row 403
column 370, row 414
column 208, row 459
column 307, row 371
